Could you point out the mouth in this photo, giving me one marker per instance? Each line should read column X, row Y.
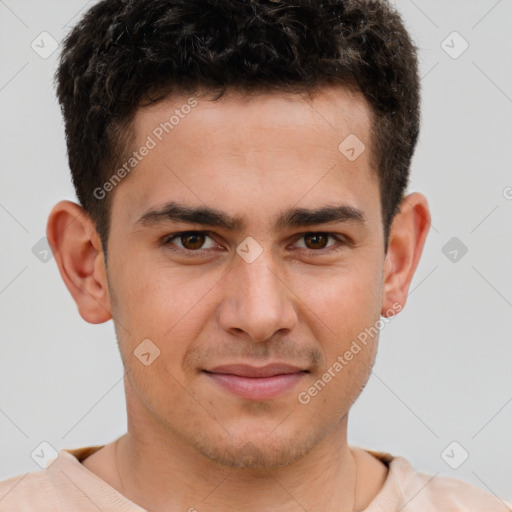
column 256, row 383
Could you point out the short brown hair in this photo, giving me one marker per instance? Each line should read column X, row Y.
column 123, row 54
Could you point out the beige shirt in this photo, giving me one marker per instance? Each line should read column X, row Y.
column 66, row 485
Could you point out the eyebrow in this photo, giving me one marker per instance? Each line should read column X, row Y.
column 206, row 216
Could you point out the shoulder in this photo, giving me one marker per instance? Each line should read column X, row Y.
column 425, row 492
column 50, row 489
column 31, row 491
column 408, row 490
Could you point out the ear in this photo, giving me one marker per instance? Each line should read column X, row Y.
column 406, row 240
column 77, row 249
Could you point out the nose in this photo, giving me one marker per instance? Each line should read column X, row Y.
column 258, row 302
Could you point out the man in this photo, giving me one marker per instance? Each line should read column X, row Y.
column 241, row 169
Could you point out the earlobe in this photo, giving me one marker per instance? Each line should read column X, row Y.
column 77, row 250
column 406, row 241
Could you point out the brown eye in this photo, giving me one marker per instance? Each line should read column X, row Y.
column 189, row 242
column 316, row 240
column 320, row 242
column 193, row 240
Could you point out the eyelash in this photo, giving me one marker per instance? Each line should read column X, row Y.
column 200, row 252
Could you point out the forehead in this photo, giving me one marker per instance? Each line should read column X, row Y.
column 282, row 147
column 333, row 109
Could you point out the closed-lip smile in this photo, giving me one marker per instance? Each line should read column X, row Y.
column 256, row 383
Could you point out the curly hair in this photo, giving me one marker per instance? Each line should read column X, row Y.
column 127, row 53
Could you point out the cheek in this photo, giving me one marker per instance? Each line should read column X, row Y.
column 148, row 291
column 345, row 322
column 163, row 309
column 343, row 307
column 342, row 297
column 169, row 306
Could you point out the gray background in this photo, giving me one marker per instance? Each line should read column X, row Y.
column 443, row 372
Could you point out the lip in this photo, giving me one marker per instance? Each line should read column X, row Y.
column 246, row 370
column 256, row 383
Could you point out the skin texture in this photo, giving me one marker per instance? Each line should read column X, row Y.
column 190, row 443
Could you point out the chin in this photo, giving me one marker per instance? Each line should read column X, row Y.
column 257, row 451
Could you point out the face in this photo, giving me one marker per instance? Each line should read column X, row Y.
column 244, row 236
